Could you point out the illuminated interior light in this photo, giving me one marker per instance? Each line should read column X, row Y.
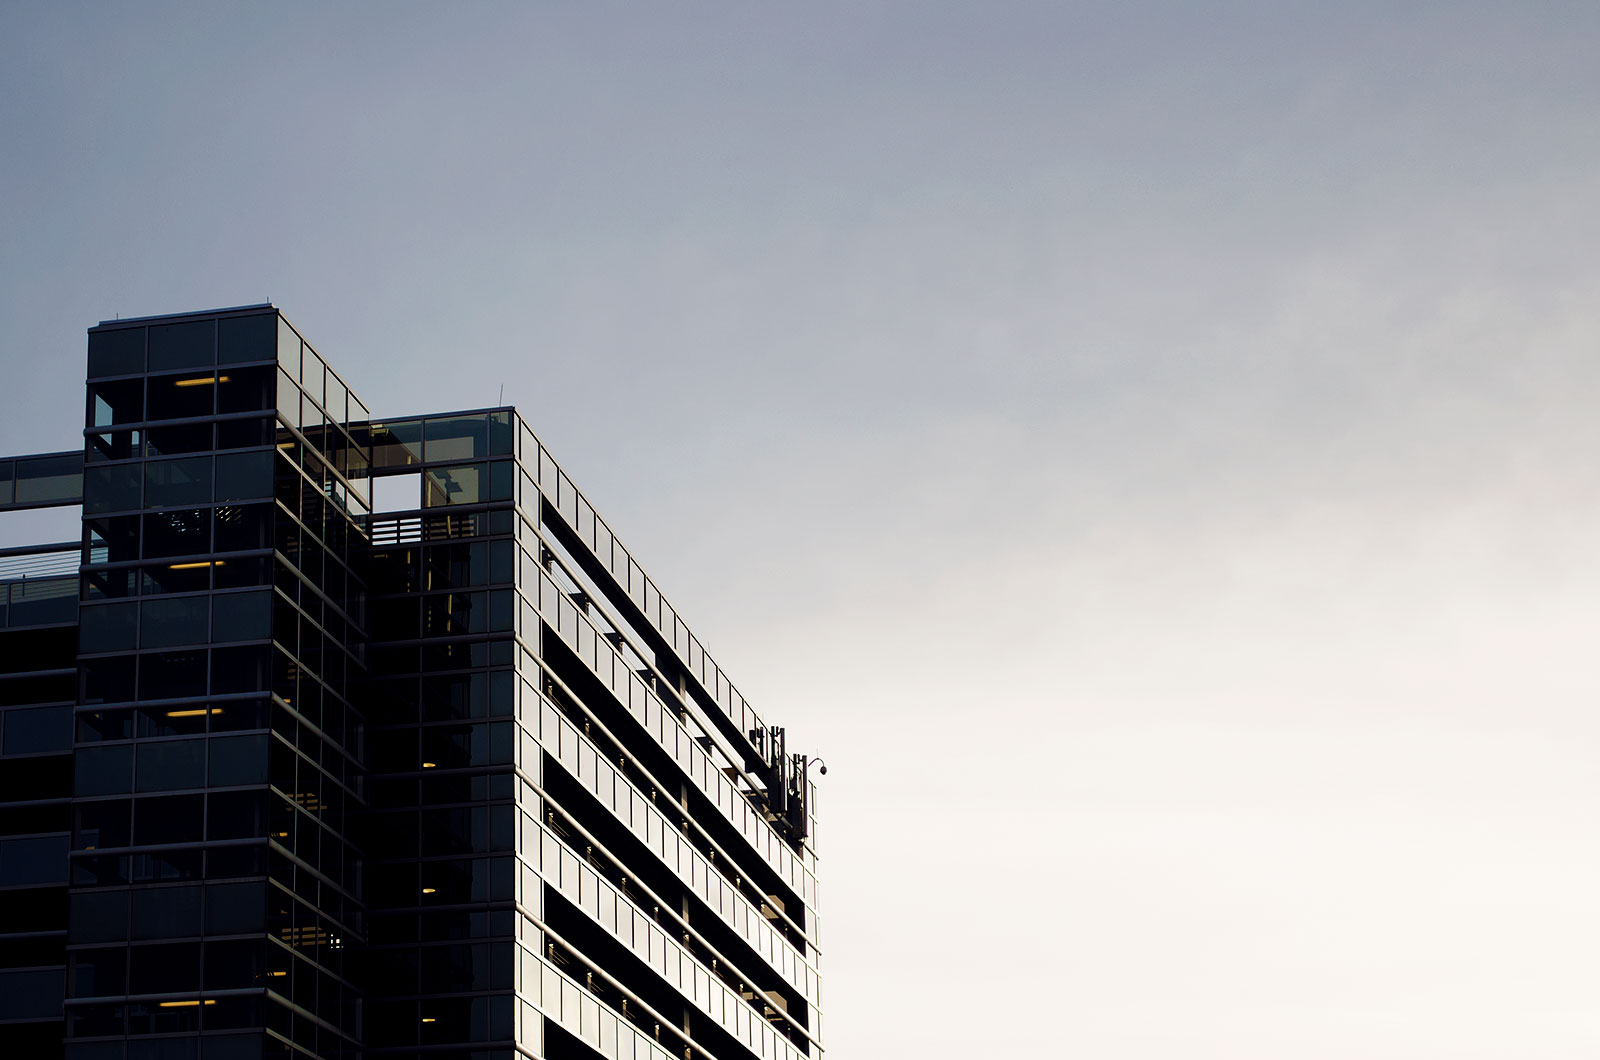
column 204, row 380
column 427, row 1019
column 192, row 566
column 427, row 890
column 428, row 765
column 186, row 1004
column 277, row 975
column 198, row 712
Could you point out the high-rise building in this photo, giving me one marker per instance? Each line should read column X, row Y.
column 337, row 736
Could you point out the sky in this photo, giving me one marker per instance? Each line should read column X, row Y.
column 1145, row 448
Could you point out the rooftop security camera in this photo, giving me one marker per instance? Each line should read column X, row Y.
column 824, row 770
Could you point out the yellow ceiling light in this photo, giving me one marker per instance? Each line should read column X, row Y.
column 198, row 712
column 428, row 765
column 204, row 380
column 427, row 890
column 186, row 1004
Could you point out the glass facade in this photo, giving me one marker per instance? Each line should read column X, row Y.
column 340, row 736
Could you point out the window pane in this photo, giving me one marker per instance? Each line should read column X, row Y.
column 115, row 403
column 38, row 729
column 163, row 766
column 170, row 441
column 396, row 444
column 462, row 484
column 177, row 533
column 190, row 345
column 109, row 627
column 457, row 438
column 244, row 476
column 247, row 338
column 241, row 616
column 42, row 479
column 246, row 389
column 238, row 760
column 103, row 771
column 167, row 623
column 169, row 482
column 111, row 489
column 116, row 352
column 174, row 397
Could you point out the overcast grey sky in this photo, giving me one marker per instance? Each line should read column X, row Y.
column 1147, row 448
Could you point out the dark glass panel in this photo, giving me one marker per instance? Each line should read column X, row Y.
column 246, row 389
column 172, row 675
column 238, row 760
column 456, row 438
column 502, row 434
column 164, row 969
column 177, row 533
column 105, row 725
column 113, row 404
column 234, row 908
column 38, row 729
column 108, row 627
column 244, row 476
column 502, row 481
column 99, row 973
column 172, row 721
column 179, row 438
column 187, row 345
column 117, row 445
column 453, row 697
column 397, row 443
column 242, row 616
column 113, row 540
column 111, row 488
column 167, row 765
column 38, row 601
column 173, row 482
column 236, row 814
column 7, row 478
column 180, row 397
column 31, row 995
column 242, row 434
column 119, row 352
column 45, row 479
column 108, row 680
column 235, row 716
column 252, row 338
column 33, row 861
column 166, row 865
column 238, row 670
column 236, row 573
column 460, row 484
column 193, row 576
column 241, row 528
column 171, row 818
column 234, row 965
column 173, row 622
column 98, row 916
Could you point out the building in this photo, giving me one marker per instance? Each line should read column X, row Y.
column 340, row 736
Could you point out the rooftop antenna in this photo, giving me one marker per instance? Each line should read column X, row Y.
column 502, row 400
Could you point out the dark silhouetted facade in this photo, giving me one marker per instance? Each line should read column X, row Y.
column 338, row 736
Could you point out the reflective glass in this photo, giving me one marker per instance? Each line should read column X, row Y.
column 177, row 533
column 111, row 404
column 173, row 482
column 462, row 484
column 187, row 345
column 112, row 488
column 244, row 476
column 168, row 623
column 457, row 438
column 252, row 338
column 107, row 627
column 119, row 352
column 397, row 443
column 174, row 397
column 170, row 441
column 43, row 479
column 164, row 765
